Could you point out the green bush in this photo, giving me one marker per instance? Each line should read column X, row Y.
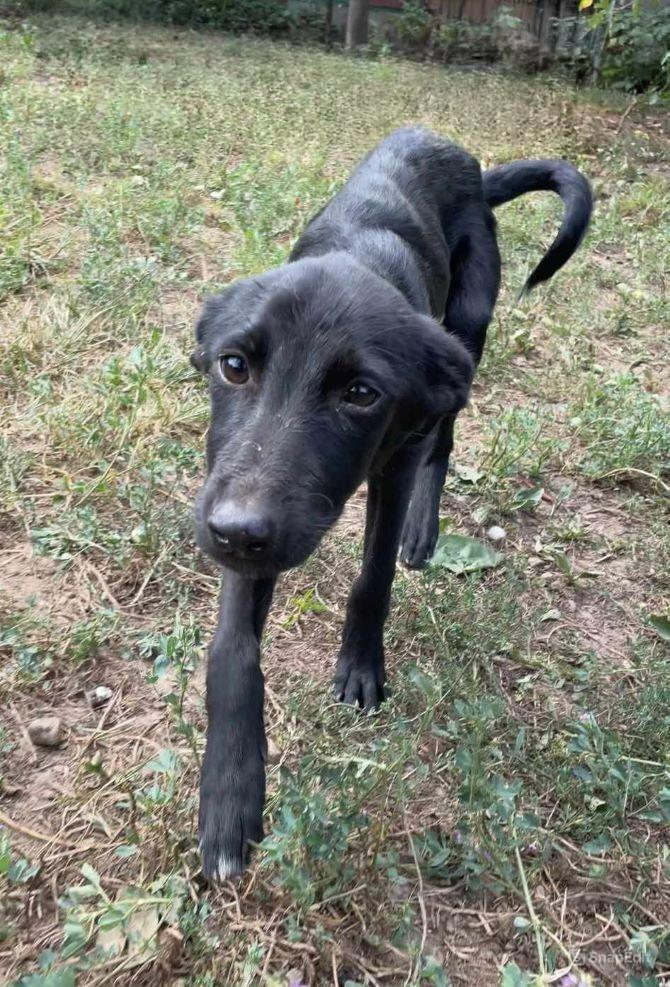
column 625, row 49
column 229, row 15
column 637, row 53
column 460, row 39
column 413, row 25
column 263, row 16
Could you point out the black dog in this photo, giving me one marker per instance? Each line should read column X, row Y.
column 349, row 362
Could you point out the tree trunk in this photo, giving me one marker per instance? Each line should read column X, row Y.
column 599, row 52
column 328, row 24
column 357, row 24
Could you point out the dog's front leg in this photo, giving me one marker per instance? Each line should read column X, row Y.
column 232, row 782
column 422, row 524
column 359, row 673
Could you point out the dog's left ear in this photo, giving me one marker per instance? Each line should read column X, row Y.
column 447, row 370
column 216, row 311
column 199, row 359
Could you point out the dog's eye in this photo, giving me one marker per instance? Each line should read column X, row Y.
column 234, row 368
column 362, row 395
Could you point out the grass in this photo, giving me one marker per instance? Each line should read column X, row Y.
column 504, row 817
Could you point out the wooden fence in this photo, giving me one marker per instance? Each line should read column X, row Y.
column 554, row 22
column 536, row 15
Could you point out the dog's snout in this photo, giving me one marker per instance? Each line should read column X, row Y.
column 240, row 532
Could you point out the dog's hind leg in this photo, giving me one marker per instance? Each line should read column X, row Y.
column 359, row 673
column 475, row 280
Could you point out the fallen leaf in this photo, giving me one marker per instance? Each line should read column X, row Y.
column 661, row 625
column 111, row 941
column 469, row 474
column 142, row 929
column 526, row 498
column 461, row 554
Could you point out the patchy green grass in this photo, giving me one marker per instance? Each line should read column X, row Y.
column 504, row 818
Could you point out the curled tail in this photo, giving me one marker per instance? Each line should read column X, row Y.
column 506, row 182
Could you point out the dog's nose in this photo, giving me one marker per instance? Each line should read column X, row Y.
column 245, row 534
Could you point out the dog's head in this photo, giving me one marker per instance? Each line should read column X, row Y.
column 318, row 372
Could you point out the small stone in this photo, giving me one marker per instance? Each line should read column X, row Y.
column 99, row 696
column 47, row 731
column 496, row 534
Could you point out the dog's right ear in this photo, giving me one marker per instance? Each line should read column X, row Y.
column 216, row 312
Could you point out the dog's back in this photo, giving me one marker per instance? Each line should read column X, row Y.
column 417, row 197
column 397, row 213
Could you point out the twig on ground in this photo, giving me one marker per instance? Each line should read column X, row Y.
column 145, row 582
column 635, row 472
column 33, row 834
column 336, row 979
column 422, row 905
column 625, row 115
column 537, row 928
column 88, row 566
column 101, row 722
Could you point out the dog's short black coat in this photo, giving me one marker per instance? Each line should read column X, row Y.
column 350, row 362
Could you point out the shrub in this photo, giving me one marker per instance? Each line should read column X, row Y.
column 264, row 16
column 627, row 49
column 463, row 40
column 637, row 52
column 413, row 25
column 228, row 15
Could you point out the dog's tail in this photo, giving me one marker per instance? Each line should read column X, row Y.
column 506, row 182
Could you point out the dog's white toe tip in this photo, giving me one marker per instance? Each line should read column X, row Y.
column 227, row 868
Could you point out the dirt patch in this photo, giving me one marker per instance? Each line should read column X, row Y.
column 174, row 311
column 28, row 580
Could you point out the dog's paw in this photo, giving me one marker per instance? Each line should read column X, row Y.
column 419, row 537
column 231, row 820
column 359, row 684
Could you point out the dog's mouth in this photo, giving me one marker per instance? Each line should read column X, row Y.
column 288, row 552
column 247, row 567
column 253, row 568
column 218, row 551
column 256, row 536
